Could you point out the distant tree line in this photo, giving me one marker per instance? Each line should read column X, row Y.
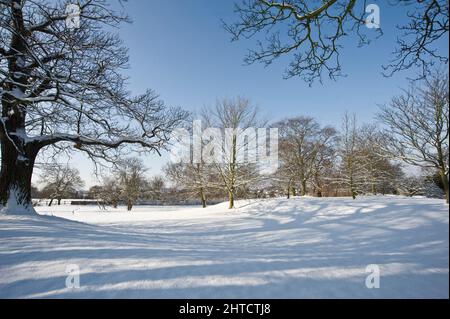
column 315, row 160
column 321, row 160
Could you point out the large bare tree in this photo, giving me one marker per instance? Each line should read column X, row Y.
column 312, row 32
column 61, row 85
column 418, row 125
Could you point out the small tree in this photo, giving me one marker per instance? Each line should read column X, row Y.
column 131, row 178
column 237, row 115
column 110, row 191
column 60, row 181
column 195, row 179
column 324, row 160
column 285, row 176
column 376, row 167
column 349, row 173
column 155, row 186
column 419, row 186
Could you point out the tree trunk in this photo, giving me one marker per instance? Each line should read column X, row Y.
column 374, row 190
column 372, row 179
column 289, row 189
column 15, row 178
column 231, row 199
column 352, row 189
column 50, row 202
column 17, row 156
column 444, row 183
column 203, row 197
column 319, row 192
column 233, row 171
column 303, row 187
column 129, row 205
column 59, row 201
column 294, row 192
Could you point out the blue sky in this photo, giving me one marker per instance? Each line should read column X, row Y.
column 180, row 49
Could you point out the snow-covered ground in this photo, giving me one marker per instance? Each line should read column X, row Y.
column 277, row 248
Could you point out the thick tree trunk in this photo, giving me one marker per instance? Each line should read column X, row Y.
column 50, row 203
column 15, row 179
column 444, row 178
column 17, row 156
column 129, row 205
column 59, row 201
column 303, row 187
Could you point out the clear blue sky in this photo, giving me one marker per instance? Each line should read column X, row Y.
column 180, row 49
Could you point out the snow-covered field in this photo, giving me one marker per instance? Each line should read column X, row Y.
column 277, row 248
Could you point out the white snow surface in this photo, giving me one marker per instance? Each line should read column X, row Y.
column 273, row 248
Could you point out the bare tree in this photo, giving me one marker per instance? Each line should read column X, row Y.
column 62, row 87
column 416, row 45
column 132, row 181
column 195, row 179
column 60, row 181
column 349, row 155
column 411, row 185
column 303, row 140
column 418, row 125
column 324, row 160
column 155, row 186
column 419, row 185
column 286, row 175
column 376, row 167
column 234, row 116
column 312, row 33
column 110, row 191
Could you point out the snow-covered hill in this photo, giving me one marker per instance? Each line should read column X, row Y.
column 277, row 248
